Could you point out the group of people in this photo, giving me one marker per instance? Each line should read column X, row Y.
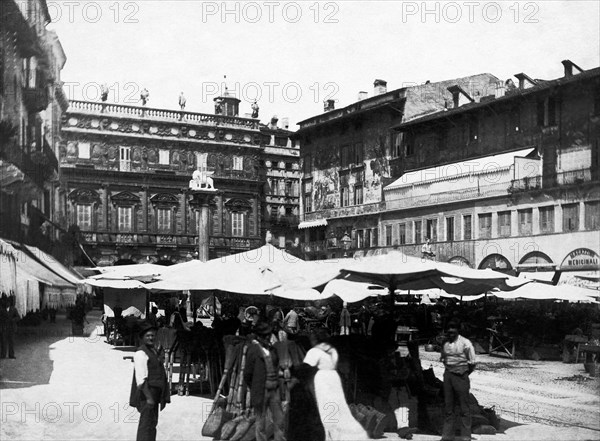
column 316, row 385
column 317, row 374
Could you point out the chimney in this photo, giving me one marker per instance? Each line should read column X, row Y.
column 569, row 65
column 285, row 123
column 273, row 124
column 362, row 95
column 525, row 81
column 459, row 96
column 328, row 105
column 380, row 87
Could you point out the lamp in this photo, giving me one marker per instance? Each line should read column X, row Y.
column 346, row 242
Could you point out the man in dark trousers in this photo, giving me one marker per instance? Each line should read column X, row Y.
column 8, row 326
column 262, row 376
column 149, row 388
column 458, row 356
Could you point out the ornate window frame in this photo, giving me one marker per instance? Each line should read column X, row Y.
column 164, row 201
column 126, row 199
column 84, row 196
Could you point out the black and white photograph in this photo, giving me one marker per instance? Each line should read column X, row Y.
column 299, row 220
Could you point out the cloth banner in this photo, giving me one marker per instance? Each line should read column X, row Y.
column 56, row 298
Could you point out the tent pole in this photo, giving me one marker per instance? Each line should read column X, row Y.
column 147, row 303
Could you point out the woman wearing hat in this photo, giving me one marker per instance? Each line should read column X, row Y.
column 149, row 387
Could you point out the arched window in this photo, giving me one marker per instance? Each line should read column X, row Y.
column 496, row 262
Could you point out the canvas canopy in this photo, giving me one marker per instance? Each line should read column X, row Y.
column 540, row 291
column 399, row 271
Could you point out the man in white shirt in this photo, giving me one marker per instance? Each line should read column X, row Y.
column 458, row 355
column 290, row 322
column 149, row 388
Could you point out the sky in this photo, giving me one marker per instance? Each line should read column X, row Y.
column 294, row 55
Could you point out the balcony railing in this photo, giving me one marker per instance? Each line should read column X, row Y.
column 314, row 246
column 531, row 183
column 354, row 210
column 38, row 165
column 284, row 220
column 574, row 177
column 448, row 196
column 139, row 112
column 167, row 240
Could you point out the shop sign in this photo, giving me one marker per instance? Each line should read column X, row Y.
column 581, row 259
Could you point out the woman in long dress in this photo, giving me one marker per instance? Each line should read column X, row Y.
column 338, row 422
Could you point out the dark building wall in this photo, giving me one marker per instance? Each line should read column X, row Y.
column 146, row 184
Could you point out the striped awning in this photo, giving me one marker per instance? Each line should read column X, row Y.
column 312, row 224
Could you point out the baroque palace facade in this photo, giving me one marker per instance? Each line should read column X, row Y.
column 126, row 173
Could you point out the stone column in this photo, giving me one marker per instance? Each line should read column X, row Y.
column 256, row 216
column 144, row 211
column 105, row 209
column 203, row 200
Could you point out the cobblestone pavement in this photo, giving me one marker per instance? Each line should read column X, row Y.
column 74, row 388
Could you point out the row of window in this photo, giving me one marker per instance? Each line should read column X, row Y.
column 164, row 155
column 428, row 228
column 284, row 187
column 164, row 220
column 281, row 165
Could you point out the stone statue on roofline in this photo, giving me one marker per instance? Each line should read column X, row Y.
column 182, row 101
column 103, row 92
column 218, row 106
column 255, row 109
column 144, row 96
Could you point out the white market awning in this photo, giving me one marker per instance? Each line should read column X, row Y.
column 312, row 224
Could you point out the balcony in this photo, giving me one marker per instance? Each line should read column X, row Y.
column 246, row 175
column 161, row 240
column 574, row 177
column 234, row 243
column 314, row 246
column 525, row 184
column 45, row 157
column 287, row 220
column 341, row 212
column 39, row 165
column 147, row 113
column 408, row 198
column 36, row 98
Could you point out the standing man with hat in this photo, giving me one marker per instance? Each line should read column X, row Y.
column 458, row 355
column 149, row 387
column 262, row 376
